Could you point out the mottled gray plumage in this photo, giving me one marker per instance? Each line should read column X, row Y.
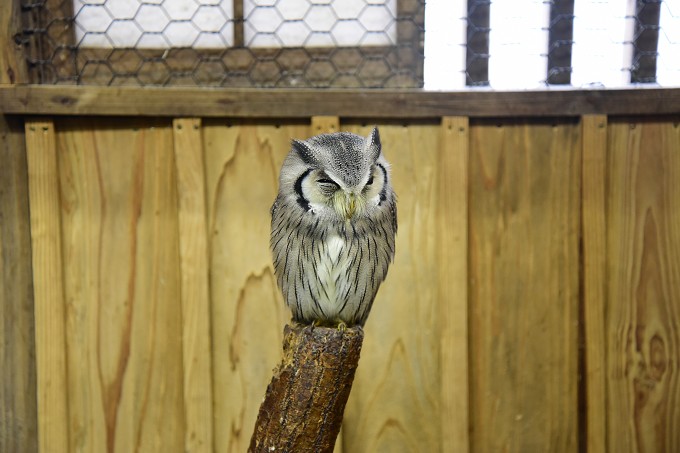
column 333, row 227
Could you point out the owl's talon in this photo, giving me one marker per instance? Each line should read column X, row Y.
column 342, row 326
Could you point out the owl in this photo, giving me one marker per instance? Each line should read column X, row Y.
column 333, row 227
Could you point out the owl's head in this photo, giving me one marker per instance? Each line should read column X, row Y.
column 340, row 176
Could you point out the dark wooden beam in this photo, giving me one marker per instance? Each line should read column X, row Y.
column 290, row 103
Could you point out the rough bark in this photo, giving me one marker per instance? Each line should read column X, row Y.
column 303, row 407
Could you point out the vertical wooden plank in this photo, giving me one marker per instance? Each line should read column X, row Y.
column 18, row 406
column 122, row 285
column 242, row 162
column 193, row 248
column 43, row 184
column 328, row 125
column 12, row 63
column 524, row 285
column 643, row 286
column 238, row 21
column 396, row 397
column 593, row 231
column 452, row 235
column 325, row 124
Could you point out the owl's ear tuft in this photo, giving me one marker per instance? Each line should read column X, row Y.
column 304, row 151
column 372, row 146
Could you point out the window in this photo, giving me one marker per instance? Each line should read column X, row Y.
column 242, row 43
column 153, row 24
column 539, row 44
column 444, row 45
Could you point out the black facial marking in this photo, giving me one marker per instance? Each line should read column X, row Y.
column 328, row 182
column 383, row 192
column 301, row 200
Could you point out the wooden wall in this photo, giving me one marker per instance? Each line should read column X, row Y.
column 524, row 289
column 18, row 408
column 534, row 303
column 642, row 305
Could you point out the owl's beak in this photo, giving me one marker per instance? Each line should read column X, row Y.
column 345, row 204
column 351, row 205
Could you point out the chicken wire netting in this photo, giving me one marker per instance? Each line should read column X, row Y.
column 239, row 43
column 446, row 44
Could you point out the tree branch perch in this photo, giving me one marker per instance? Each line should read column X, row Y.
column 305, row 401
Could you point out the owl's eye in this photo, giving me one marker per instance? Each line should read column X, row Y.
column 370, row 181
column 328, row 183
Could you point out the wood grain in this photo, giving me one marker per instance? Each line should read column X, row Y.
column 18, row 390
column 303, row 407
column 114, row 340
column 122, row 286
column 524, row 287
column 594, row 234
column 643, row 286
column 193, row 247
column 452, row 233
column 12, row 63
column 18, row 406
column 248, row 314
column 345, row 103
column 395, row 402
column 48, row 285
column 325, row 124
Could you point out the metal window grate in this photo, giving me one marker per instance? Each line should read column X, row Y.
column 543, row 44
column 239, row 43
column 465, row 44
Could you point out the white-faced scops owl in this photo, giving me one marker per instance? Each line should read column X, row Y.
column 333, row 227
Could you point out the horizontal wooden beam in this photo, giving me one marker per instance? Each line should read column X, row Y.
column 305, row 103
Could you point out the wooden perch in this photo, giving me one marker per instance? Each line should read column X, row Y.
column 302, row 410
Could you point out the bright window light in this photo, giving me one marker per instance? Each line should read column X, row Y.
column 668, row 60
column 602, row 53
column 445, row 45
column 518, row 43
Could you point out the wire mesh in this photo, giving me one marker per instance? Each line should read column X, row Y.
column 352, row 43
column 239, row 43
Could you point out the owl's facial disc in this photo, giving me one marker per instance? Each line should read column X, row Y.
column 323, row 190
